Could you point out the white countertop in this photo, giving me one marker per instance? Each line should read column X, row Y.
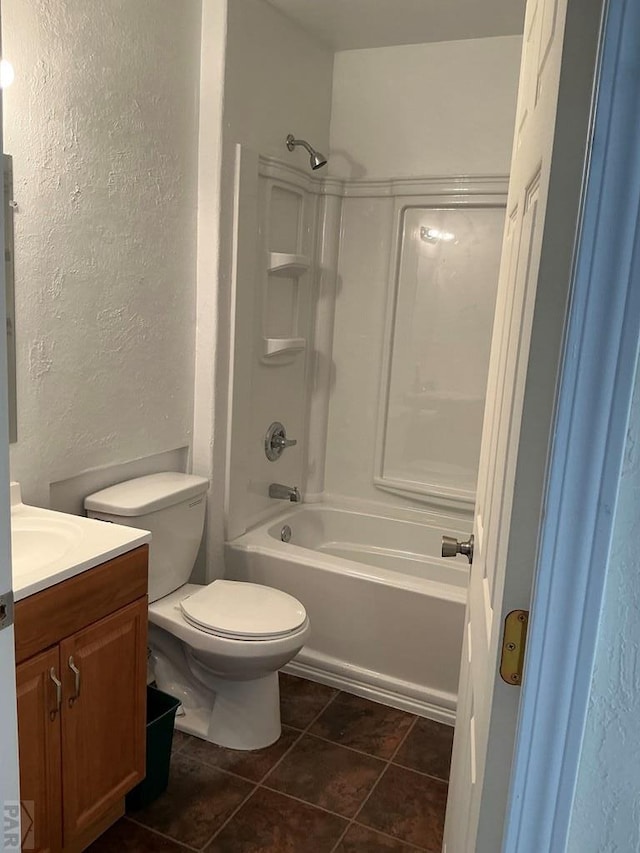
column 49, row 547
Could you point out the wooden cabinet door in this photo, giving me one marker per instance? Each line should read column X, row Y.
column 39, row 745
column 103, row 716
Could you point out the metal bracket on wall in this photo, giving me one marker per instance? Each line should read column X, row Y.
column 6, row 609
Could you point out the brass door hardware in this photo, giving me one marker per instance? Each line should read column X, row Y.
column 514, row 642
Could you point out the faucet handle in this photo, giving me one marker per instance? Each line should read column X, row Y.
column 295, row 496
column 282, row 442
column 275, row 441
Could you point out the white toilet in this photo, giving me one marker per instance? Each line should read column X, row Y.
column 217, row 648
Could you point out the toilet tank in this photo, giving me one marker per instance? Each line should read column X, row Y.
column 170, row 505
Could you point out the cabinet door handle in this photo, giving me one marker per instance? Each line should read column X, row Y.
column 58, row 684
column 74, row 669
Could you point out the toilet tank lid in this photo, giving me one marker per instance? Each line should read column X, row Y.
column 147, row 494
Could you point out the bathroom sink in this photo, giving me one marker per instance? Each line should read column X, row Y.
column 37, row 541
column 48, row 547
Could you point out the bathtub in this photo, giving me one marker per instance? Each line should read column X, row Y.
column 386, row 611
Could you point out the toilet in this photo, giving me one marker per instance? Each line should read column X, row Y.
column 218, row 647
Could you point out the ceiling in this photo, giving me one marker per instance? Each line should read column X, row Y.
column 351, row 24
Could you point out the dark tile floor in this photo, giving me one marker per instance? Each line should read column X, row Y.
column 347, row 775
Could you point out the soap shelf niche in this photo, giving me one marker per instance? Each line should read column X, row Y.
column 287, row 265
column 282, row 346
column 286, row 274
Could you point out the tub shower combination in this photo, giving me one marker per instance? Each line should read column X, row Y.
column 338, row 280
column 386, row 611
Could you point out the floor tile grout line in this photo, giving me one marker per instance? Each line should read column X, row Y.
column 256, row 785
column 420, row 772
column 223, row 770
column 368, row 797
column 385, row 761
column 336, row 690
column 262, row 783
column 231, row 816
column 281, row 759
column 204, row 763
column 403, row 739
column 360, row 807
column 390, row 763
column 376, row 783
column 162, row 835
column 393, row 761
column 305, row 802
column 390, row 837
column 353, row 748
column 341, row 837
column 323, row 709
column 344, row 746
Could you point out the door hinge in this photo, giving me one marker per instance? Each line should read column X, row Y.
column 6, row 609
column 514, row 641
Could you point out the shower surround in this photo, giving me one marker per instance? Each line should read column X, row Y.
column 335, row 282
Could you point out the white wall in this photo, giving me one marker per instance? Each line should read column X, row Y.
column 208, row 325
column 606, row 813
column 277, row 81
column 443, row 108
column 388, row 122
column 102, row 121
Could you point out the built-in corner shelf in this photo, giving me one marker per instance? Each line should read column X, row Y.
column 280, row 346
column 288, row 265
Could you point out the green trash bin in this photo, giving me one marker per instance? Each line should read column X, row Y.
column 161, row 715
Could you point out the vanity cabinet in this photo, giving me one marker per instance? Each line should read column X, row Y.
column 40, row 751
column 81, row 679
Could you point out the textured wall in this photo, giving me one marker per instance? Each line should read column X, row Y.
column 425, row 109
column 102, row 121
column 606, row 814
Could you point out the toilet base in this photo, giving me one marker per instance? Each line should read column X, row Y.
column 245, row 714
column 241, row 715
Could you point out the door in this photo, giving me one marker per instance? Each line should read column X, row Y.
column 9, row 786
column 550, row 148
column 103, row 716
column 39, row 705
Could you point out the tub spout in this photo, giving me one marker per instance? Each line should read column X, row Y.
column 285, row 493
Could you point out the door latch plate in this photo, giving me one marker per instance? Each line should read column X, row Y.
column 514, row 642
column 6, row 609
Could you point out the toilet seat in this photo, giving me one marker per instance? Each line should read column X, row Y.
column 243, row 611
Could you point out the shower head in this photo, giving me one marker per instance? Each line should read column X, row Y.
column 316, row 159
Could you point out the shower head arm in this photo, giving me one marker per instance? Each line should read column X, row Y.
column 292, row 142
column 317, row 160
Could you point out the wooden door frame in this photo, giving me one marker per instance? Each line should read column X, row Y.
column 591, row 421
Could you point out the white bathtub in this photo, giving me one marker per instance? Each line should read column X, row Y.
column 386, row 611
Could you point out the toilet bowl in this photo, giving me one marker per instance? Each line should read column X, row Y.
column 228, row 685
column 216, row 647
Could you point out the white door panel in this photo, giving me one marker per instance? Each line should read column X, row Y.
column 9, row 785
column 527, row 336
